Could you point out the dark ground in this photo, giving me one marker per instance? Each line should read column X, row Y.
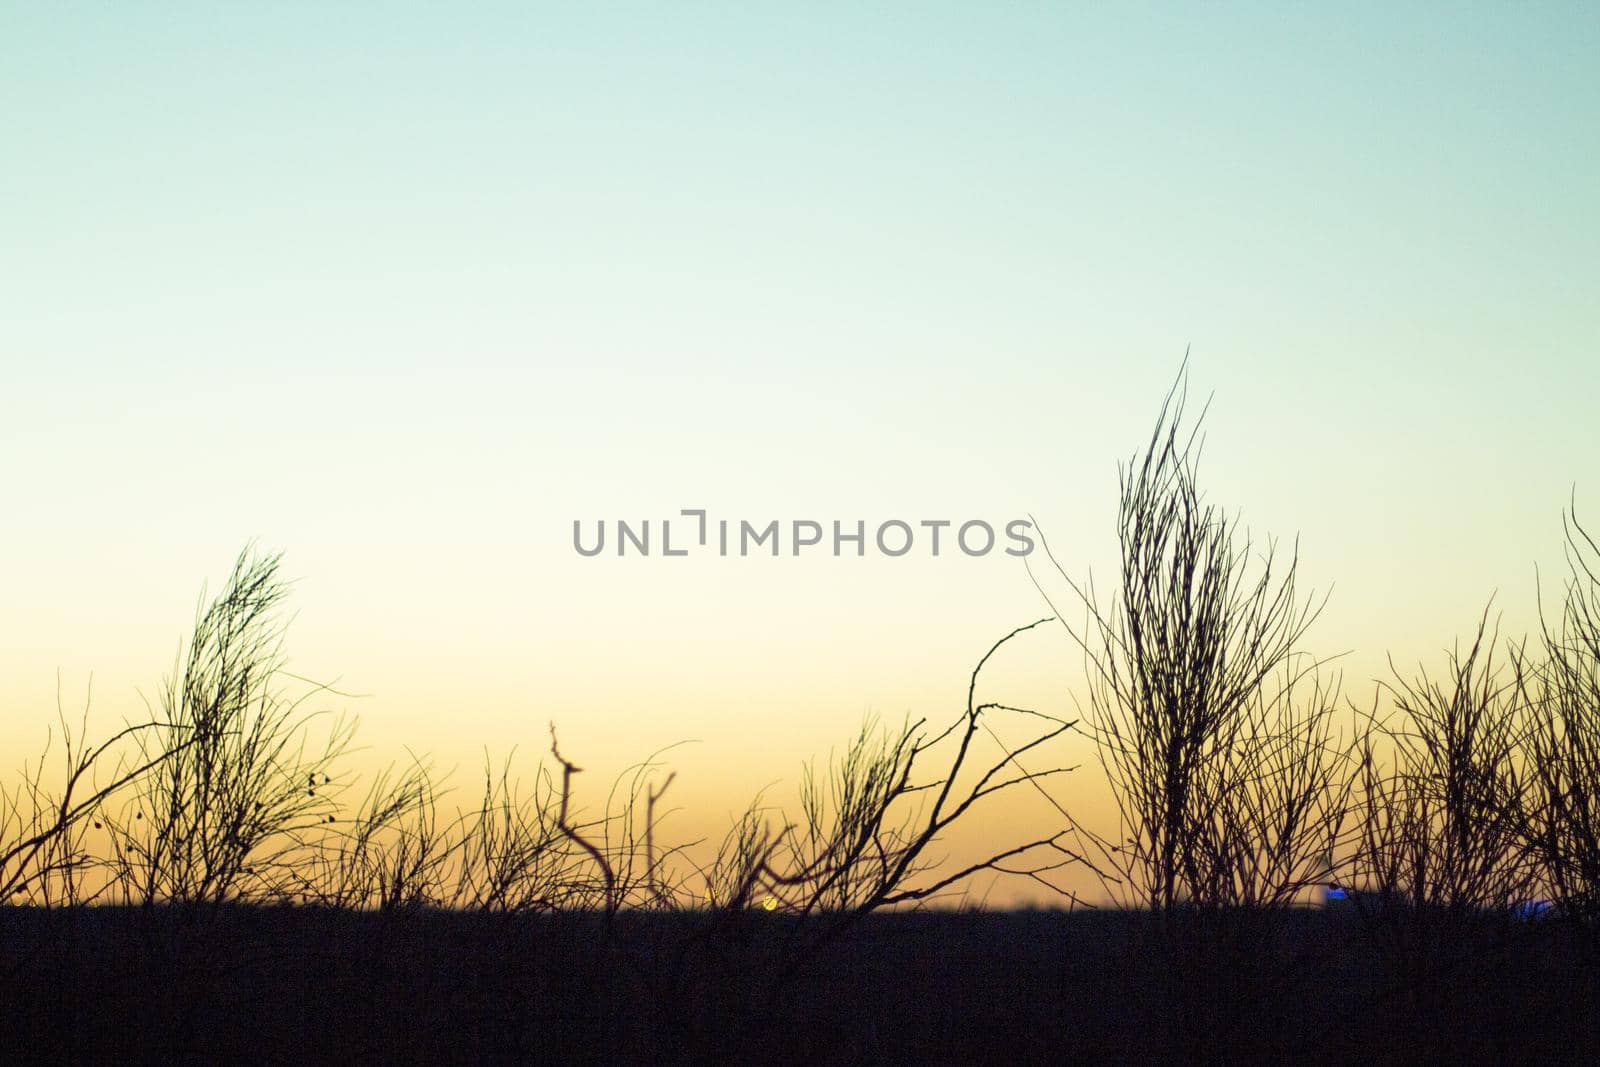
column 305, row 985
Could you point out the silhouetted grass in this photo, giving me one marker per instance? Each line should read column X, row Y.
column 213, row 884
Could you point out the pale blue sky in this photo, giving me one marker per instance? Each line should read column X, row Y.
column 403, row 290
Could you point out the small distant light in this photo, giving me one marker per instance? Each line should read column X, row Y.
column 1532, row 909
column 1336, row 893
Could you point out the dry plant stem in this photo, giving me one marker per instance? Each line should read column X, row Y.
column 238, row 780
column 1230, row 783
column 1563, row 697
column 856, row 843
column 863, row 840
column 39, row 846
column 568, row 769
column 1445, row 817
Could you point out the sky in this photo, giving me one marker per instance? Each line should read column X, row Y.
column 404, row 290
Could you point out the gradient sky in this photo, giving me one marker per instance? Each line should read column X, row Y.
column 403, row 290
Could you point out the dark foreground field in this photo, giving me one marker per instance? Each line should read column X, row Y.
column 308, row 985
